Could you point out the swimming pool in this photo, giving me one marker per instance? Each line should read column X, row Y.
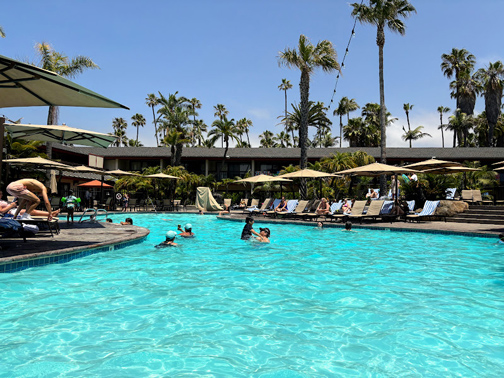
column 313, row 303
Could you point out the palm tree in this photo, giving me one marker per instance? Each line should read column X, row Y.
column 492, row 80
column 317, row 116
column 221, row 112
column 307, row 58
column 138, row 121
column 2, row 33
column 459, row 123
column 282, row 139
column 226, row 130
column 407, row 108
column 345, row 106
column 352, row 131
column 57, row 62
column 120, row 125
column 266, row 140
column 468, row 88
column 414, row 134
column 174, row 138
column 152, row 101
column 441, row 110
column 244, row 126
column 134, row 143
column 199, row 127
column 383, row 14
column 285, row 86
column 456, row 63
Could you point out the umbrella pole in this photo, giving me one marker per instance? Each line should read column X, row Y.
column 2, row 121
column 101, row 189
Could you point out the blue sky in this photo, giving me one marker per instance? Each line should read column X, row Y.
column 225, row 51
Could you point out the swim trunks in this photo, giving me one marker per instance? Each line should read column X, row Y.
column 17, row 190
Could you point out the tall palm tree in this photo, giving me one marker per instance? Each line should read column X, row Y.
column 407, row 108
column 441, row 110
column 199, row 127
column 454, row 65
column 459, row 123
column 352, row 131
column 282, row 139
column 415, row 134
column 174, row 138
column 468, row 88
column 492, row 80
column 221, row 112
column 152, row 101
column 307, row 58
column 383, row 14
column 138, row 121
column 345, row 106
column 120, row 125
column 266, row 140
column 244, row 126
column 57, row 62
column 285, row 86
column 226, row 130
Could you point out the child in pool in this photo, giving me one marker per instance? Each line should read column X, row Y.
column 170, row 240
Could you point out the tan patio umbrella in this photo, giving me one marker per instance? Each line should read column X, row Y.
column 309, row 173
column 60, row 134
column 499, row 169
column 450, row 170
column 378, row 169
column 37, row 161
column 162, row 176
column 431, row 164
column 83, row 168
column 264, row 178
column 118, row 172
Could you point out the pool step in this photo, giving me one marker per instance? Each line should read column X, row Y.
column 480, row 214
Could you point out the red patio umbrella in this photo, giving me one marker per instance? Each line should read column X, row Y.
column 95, row 184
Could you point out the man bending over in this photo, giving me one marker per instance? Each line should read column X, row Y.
column 22, row 189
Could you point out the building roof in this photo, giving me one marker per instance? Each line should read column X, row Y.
column 395, row 153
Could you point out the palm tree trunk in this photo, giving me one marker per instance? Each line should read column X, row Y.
column 286, row 113
column 155, row 126
column 380, row 39
column 340, row 128
column 178, row 153
column 138, row 128
column 248, row 139
column 304, row 87
column 442, row 133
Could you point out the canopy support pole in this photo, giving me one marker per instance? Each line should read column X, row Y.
column 2, row 130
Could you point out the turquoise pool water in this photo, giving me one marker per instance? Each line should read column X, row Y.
column 313, row 303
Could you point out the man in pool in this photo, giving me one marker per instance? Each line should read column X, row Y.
column 127, row 222
column 187, row 231
column 248, row 229
column 170, row 240
column 264, row 235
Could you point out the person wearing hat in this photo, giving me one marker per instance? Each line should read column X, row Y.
column 170, row 240
column 187, row 231
column 264, row 235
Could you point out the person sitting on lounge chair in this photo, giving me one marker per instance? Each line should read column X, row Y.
column 324, row 207
column 282, row 206
column 347, row 207
column 372, row 194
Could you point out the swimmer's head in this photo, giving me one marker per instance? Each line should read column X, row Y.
column 501, row 237
column 170, row 235
column 128, row 220
column 348, row 226
column 266, row 231
column 249, row 220
column 188, row 227
column 320, row 224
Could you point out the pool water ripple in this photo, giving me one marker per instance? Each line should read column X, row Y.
column 314, row 303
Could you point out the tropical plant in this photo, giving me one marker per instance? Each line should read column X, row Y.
column 317, row 116
column 285, row 86
column 492, row 80
column 441, row 110
column 407, row 108
column 415, row 134
column 345, row 106
column 383, row 14
column 134, row 143
column 54, row 61
column 307, row 58
column 138, row 121
column 174, row 138
column 244, row 126
column 225, row 130
column 282, row 140
column 2, row 33
column 152, row 101
column 120, row 125
column 455, row 64
column 199, row 127
column 266, row 140
column 460, row 123
column 484, row 177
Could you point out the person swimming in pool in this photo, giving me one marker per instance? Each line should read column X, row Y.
column 264, row 235
column 187, row 231
column 170, row 240
column 248, row 229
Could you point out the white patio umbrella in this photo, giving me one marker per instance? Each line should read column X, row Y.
column 264, row 178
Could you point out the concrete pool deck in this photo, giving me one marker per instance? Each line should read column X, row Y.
column 85, row 236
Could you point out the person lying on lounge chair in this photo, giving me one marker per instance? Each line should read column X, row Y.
column 6, row 208
column 324, row 207
column 372, row 194
column 282, row 206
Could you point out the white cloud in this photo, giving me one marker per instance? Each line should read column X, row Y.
column 261, row 114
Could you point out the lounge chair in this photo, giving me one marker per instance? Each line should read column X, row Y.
column 132, row 204
column 41, row 221
column 411, row 205
column 450, row 193
column 176, row 204
column 335, row 209
column 373, row 211
column 264, row 207
column 227, row 202
column 428, row 210
column 291, row 206
column 271, row 210
column 466, row 195
column 476, row 195
column 312, row 214
column 55, row 203
column 357, row 209
column 298, row 211
column 253, row 206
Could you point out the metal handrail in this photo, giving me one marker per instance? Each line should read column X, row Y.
column 94, row 215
